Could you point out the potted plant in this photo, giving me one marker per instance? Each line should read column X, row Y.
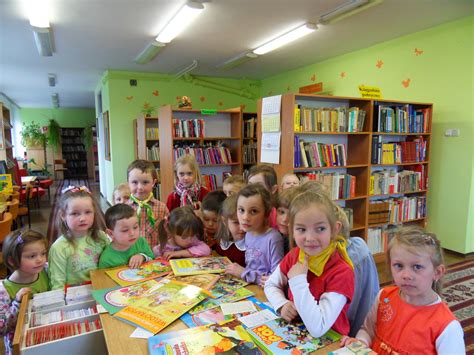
column 54, row 134
column 32, row 136
column 148, row 110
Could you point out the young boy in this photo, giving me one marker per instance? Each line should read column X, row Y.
column 141, row 175
column 121, row 193
column 266, row 176
column 126, row 248
column 233, row 184
column 210, row 207
column 289, row 180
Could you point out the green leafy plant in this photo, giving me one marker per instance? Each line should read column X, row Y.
column 148, row 110
column 87, row 137
column 32, row 136
column 54, row 134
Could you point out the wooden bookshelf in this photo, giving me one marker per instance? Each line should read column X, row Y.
column 222, row 127
column 359, row 148
column 6, row 146
column 74, row 152
column 249, row 139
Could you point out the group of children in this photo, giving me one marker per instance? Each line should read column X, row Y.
column 292, row 240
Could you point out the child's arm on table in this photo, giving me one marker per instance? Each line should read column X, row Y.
column 273, row 288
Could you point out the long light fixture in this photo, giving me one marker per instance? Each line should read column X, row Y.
column 345, row 10
column 55, row 100
column 237, row 60
column 39, row 21
column 52, row 79
column 286, row 38
column 150, row 52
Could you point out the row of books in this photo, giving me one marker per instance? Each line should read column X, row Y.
column 350, row 216
column 407, row 208
column 74, row 148
column 398, row 152
column 250, row 153
column 403, row 119
column 334, row 119
column 377, row 240
column 379, row 212
column 152, row 133
column 68, row 132
column 193, row 128
column 250, row 128
column 153, row 152
column 339, row 185
column 209, row 181
column 77, row 140
column 206, row 155
column 76, row 164
column 314, row 154
column 391, row 182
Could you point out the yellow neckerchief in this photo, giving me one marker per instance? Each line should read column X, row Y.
column 316, row 263
column 144, row 204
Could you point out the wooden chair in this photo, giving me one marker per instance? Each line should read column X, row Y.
column 59, row 167
column 5, row 226
column 13, row 207
column 25, row 210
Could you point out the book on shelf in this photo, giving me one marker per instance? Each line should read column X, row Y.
column 250, row 127
column 228, row 337
column 152, row 133
column 398, row 152
column 161, row 305
column 125, row 276
column 402, row 118
column 390, row 181
column 377, row 240
column 193, row 128
column 205, row 265
column 211, row 154
column 334, row 119
column 314, row 154
column 153, row 152
column 209, row 181
column 350, row 216
column 280, row 337
column 338, row 185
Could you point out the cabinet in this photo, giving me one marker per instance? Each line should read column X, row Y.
column 6, row 146
column 74, row 152
column 369, row 153
column 214, row 137
column 147, row 143
column 249, row 139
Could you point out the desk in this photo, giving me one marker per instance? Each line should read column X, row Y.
column 26, row 180
column 117, row 333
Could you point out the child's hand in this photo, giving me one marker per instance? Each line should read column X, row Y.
column 234, row 269
column 298, row 269
column 135, row 261
column 263, row 279
column 345, row 340
column 21, row 292
column 288, row 311
column 176, row 254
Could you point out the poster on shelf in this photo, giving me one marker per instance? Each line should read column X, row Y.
column 270, row 148
column 271, row 110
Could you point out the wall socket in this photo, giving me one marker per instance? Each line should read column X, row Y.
column 452, row 132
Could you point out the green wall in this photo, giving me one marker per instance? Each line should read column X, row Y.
column 66, row 117
column 442, row 74
column 125, row 102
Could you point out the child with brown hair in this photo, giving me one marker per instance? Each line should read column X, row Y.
column 266, row 176
column 284, row 199
column 209, row 214
column 233, row 184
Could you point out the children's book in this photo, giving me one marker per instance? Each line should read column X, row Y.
column 125, row 276
column 205, row 281
column 229, row 337
column 161, row 305
column 227, row 284
column 280, row 337
column 357, row 347
column 116, row 298
column 193, row 266
column 237, row 295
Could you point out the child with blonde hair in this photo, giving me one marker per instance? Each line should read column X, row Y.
column 121, row 193
column 315, row 280
column 188, row 190
column 289, row 180
column 410, row 317
column 24, row 254
column 82, row 239
column 233, row 184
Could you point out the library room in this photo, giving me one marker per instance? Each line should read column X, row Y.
column 266, row 177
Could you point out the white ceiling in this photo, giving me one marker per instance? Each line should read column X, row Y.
column 92, row 36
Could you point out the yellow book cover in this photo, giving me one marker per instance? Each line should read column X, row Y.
column 371, row 185
column 6, row 185
column 194, row 266
column 297, row 119
column 125, row 276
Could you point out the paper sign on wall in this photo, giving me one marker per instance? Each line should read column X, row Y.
column 370, row 92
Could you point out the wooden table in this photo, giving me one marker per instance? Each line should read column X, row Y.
column 117, row 333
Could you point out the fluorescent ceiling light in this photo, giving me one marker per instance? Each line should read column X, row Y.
column 38, row 13
column 55, row 100
column 237, row 60
column 149, row 52
column 288, row 37
column 44, row 41
column 345, row 10
column 52, row 79
column 180, row 21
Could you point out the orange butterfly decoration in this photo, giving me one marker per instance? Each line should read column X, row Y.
column 343, row 74
column 418, row 52
column 406, row 83
column 288, row 88
column 313, row 77
column 129, row 98
column 379, row 64
column 202, row 98
column 156, row 93
column 220, row 103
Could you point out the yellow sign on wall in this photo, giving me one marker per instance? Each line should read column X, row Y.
column 370, row 92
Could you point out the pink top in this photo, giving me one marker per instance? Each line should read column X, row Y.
column 198, row 248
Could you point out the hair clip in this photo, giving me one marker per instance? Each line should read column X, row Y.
column 20, row 239
column 72, row 188
column 429, row 239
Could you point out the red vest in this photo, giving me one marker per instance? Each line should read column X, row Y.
column 403, row 328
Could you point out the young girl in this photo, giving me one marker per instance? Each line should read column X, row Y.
column 181, row 235
column 82, row 240
column 188, row 189
column 121, row 193
column 284, row 199
column 24, row 254
column 230, row 236
column 317, row 273
column 264, row 245
column 410, row 317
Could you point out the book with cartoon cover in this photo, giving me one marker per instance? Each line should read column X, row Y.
column 193, row 266
column 280, row 337
column 237, row 295
column 161, row 305
column 153, row 269
column 115, row 298
column 228, row 337
column 205, row 281
column 227, row 284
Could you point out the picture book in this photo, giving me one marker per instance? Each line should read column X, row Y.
column 205, row 281
column 116, row 298
column 281, row 337
column 237, row 295
column 125, row 276
column 193, row 266
column 356, row 347
column 6, row 185
column 227, row 284
column 161, row 305
column 228, row 337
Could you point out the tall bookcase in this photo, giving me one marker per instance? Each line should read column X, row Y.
column 207, row 134
column 147, row 142
column 358, row 170
column 74, row 152
column 6, row 146
column 249, row 139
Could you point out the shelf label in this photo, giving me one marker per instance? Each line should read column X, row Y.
column 208, row 111
column 370, row 92
column 311, row 89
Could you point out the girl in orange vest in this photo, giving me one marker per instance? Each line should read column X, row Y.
column 410, row 317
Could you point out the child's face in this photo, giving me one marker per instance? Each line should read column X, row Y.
column 140, row 183
column 121, row 197
column 282, row 220
column 230, row 189
column 235, row 230
column 183, row 241
column 413, row 272
column 209, row 219
column 312, row 230
column 290, row 181
column 33, row 258
column 185, row 175
column 125, row 233
column 251, row 214
column 79, row 215
column 259, row 179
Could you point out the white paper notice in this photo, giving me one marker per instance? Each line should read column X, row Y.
column 141, row 333
column 258, row 318
column 270, row 152
column 238, row 307
column 271, row 113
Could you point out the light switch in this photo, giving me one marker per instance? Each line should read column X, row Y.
column 452, row 132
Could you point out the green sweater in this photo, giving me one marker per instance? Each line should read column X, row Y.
column 38, row 286
column 111, row 257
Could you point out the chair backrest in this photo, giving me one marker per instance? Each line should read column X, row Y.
column 5, row 226
column 16, row 172
column 13, row 207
